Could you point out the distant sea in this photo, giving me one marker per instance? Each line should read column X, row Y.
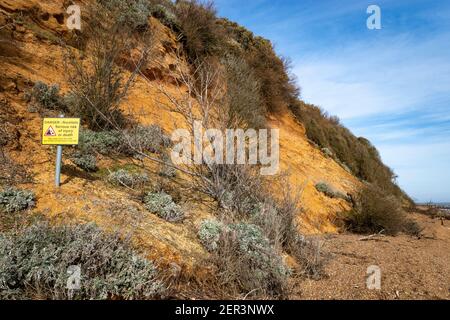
column 445, row 205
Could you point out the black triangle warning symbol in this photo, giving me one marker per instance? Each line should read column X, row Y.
column 50, row 132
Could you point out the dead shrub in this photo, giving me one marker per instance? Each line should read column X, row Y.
column 310, row 256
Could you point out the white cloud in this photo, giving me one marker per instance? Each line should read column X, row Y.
column 381, row 76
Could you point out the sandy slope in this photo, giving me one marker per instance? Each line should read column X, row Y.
column 26, row 57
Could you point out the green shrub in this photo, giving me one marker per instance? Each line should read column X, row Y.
column 267, row 217
column 34, row 263
column 277, row 87
column 13, row 200
column 163, row 206
column 246, row 258
column 123, row 177
column 85, row 161
column 375, row 211
column 92, row 143
column 128, row 142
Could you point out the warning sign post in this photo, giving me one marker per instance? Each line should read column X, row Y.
column 60, row 131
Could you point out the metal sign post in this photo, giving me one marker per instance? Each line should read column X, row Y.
column 58, row 166
column 58, row 162
column 60, row 131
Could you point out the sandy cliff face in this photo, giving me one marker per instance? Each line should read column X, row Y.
column 29, row 52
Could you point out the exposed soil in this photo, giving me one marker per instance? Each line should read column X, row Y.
column 411, row 267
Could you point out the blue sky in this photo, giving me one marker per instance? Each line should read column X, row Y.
column 390, row 85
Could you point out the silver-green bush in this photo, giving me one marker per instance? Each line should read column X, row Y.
column 163, row 206
column 131, row 13
column 35, row 263
column 103, row 142
column 245, row 257
column 146, row 139
column 123, row 177
column 166, row 15
column 85, row 161
column 209, row 234
column 13, row 200
column 329, row 191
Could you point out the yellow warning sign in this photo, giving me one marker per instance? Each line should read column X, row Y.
column 60, row 131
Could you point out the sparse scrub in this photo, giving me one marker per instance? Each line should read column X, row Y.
column 99, row 84
column 91, row 144
column 277, row 219
column 327, row 152
column 34, row 263
column 13, row 200
column 163, row 206
column 268, row 218
column 43, row 96
column 167, row 170
column 233, row 187
column 129, row 142
column 310, row 256
column 277, row 85
column 412, row 228
column 125, row 178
